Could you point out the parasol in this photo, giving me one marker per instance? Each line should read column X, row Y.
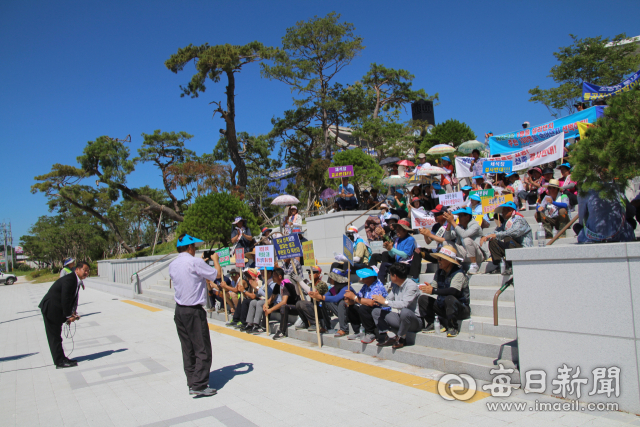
column 469, row 146
column 328, row 193
column 285, row 200
column 433, row 170
column 395, row 180
column 405, row 163
column 389, row 160
column 440, row 149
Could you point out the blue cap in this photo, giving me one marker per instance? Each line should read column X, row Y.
column 399, row 190
column 366, row 272
column 188, row 240
column 238, row 219
column 446, row 158
column 566, row 165
column 467, row 188
column 478, row 177
column 475, row 197
column 509, row 205
column 509, row 175
column 269, row 268
column 466, row 210
column 68, row 261
column 436, row 186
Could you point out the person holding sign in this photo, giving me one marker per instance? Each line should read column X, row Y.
column 334, row 302
column 287, row 304
column 401, row 249
column 305, row 308
column 553, row 212
column 188, row 275
column 254, row 315
column 347, row 200
column 361, row 252
column 249, row 287
column 467, row 234
column 241, row 235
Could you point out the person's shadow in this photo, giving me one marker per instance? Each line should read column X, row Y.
column 220, row 377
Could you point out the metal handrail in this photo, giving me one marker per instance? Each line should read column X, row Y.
column 565, row 228
column 365, row 212
column 172, row 253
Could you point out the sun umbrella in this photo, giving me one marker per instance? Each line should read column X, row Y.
column 389, row 160
column 328, row 193
column 285, row 200
column 469, row 146
column 440, row 149
column 433, row 170
column 395, row 180
column 405, row 163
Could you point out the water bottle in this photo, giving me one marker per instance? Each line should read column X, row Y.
column 503, row 266
column 436, row 325
column 472, row 330
column 541, row 236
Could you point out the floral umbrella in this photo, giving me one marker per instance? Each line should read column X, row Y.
column 328, row 193
column 433, row 170
column 285, row 200
column 395, row 180
column 469, row 146
column 441, row 149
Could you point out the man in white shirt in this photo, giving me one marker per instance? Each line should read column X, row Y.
column 188, row 275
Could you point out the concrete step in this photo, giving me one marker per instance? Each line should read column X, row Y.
column 506, row 309
column 161, row 287
column 486, row 293
column 449, row 361
column 474, row 279
column 158, row 293
column 158, row 300
column 164, row 283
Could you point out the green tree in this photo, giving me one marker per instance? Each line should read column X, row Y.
column 609, row 156
column 211, row 63
column 313, row 53
column 586, row 60
column 366, row 171
column 210, row 218
column 443, row 133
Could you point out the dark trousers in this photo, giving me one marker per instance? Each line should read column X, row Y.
column 449, row 315
column 365, row 318
column 347, row 204
column 498, row 248
column 285, row 311
column 339, row 309
column 240, row 315
column 193, row 331
column 403, row 322
column 307, row 313
column 54, row 337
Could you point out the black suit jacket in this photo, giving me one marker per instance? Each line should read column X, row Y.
column 59, row 301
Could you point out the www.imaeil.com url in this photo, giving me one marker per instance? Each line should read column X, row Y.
column 573, row 405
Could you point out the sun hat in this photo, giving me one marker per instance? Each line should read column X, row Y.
column 188, row 240
column 69, row 261
column 553, row 183
column 233, row 271
column 293, row 207
column 404, row 224
column 384, row 205
column 466, row 210
column 422, row 156
column 448, row 253
column 475, row 197
column 436, row 186
column 366, row 272
column 237, row 220
column 414, row 199
column 253, row 272
column 399, row 190
column 265, row 229
column 446, row 158
column 537, row 169
column 508, row 205
column 466, row 188
column 338, row 275
column 393, row 216
column 566, row 165
column 478, row 177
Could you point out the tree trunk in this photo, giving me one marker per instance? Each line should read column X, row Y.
column 152, row 205
column 232, row 138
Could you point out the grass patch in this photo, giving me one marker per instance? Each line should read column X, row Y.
column 162, row 249
column 42, row 276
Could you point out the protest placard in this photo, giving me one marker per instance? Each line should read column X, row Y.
column 265, row 256
column 497, row 166
column 376, row 246
column 225, row 258
column 340, row 171
column 287, row 247
column 347, row 248
column 451, row 199
column 484, row 194
column 308, row 253
column 489, row 205
column 240, row 257
column 422, row 219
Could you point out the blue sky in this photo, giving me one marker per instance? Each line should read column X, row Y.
column 73, row 71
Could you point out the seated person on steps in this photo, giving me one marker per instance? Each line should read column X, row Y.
column 360, row 312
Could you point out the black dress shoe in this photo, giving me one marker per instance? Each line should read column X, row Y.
column 389, row 342
column 71, row 360
column 66, row 364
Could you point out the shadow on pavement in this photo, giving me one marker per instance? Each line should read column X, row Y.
column 99, row 355
column 16, row 357
column 19, row 318
column 220, row 377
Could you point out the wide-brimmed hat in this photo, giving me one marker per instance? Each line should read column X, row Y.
column 233, row 271
column 566, row 165
column 508, row 205
column 265, row 229
column 237, row 220
column 536, row 169
column 338, row 275
column 475, row 197
column 69, row 261
column 448, row 253
column 404, row 224
column 393, row 216
column 188, row 240
column 253, row 272
column 553, row 183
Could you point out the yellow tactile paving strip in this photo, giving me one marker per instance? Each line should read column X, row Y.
column 137, row 304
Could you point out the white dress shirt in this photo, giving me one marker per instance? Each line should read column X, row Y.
column 77, row 297
column 188, row 275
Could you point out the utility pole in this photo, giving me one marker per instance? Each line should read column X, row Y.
column 6, row 255
column 11, row 245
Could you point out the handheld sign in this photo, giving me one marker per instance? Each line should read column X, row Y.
column 376, row 246
column 489, row 205
column 265, row 256
column 484, row 194
column 497, row 166
column 308, row 253
column 347, row 248
column 421, row 219
column 450, row 199
column 287, row 247
column 225, row 258
column 240, row 257
column 340, row 171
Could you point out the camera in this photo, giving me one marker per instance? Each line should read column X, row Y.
column 209, row 253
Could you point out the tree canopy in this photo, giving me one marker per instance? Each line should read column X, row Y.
column 366, row 170
column 443, row 133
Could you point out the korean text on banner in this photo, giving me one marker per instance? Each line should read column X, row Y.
column 499, row 166
column 225, row 258
column 519, row 140
column 490, row 205
column 347, row 248
column 591, row 92
column 340, row 171
column 421, row 219
column 484, row 194
column 463, row 164
column 544, row 152
column 308, row 253
column 451, row 199
column 265, row 256
column 240, row 257
column 287, row 247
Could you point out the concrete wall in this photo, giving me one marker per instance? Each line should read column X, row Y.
column 576, row 305
column 326, row 231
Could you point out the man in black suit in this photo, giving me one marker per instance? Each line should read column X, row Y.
column 59, row 307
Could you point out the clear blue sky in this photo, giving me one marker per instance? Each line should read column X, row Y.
column 73, row 71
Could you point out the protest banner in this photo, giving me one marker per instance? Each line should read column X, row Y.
column 421, row 219
column 287, row 247
column 376, row 246
column 538, row 154
column 225, row 257
column 240, row 257
column 484, row 194
column 340, row 171
column 308, row 253
column 463, row 164
column 489, row 205
column 519, row 140
column 450, row 199
column 591, row 92
column 347, row 248
column 265, row 256
column 497, row 166
column 478, row 219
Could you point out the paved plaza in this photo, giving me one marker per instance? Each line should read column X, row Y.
column 130, row 374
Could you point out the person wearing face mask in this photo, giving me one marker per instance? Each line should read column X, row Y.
column 361, row 252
